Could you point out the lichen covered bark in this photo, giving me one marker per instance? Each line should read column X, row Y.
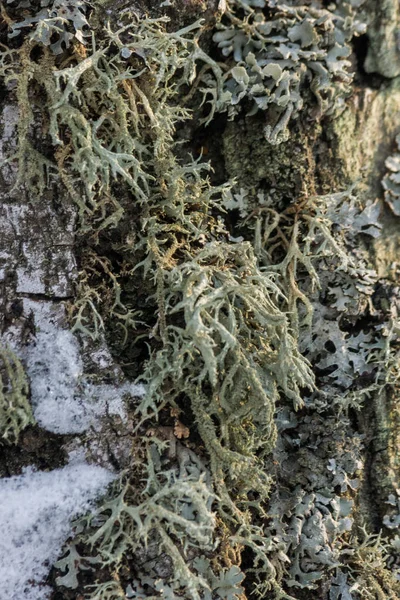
column 195, row 225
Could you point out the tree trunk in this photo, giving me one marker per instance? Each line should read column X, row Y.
column 199, row 291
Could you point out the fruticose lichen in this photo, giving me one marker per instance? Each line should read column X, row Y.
column 130, row 142
column 15, row 409
column 50, row 25
column 324, row 284
column 150, row 511
column 258, row 353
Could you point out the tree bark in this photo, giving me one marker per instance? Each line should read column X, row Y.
column 71, row 282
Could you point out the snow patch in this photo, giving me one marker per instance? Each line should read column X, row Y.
column 63, row 399
column 36, row 510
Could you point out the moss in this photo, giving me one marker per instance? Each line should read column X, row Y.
column 281, row 170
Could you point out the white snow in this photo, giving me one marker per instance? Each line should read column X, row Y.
column 36, row 509
column 63, row 399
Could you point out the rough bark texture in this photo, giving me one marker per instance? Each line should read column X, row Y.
column 288, row 489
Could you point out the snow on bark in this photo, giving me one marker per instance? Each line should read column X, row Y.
column 36, row 509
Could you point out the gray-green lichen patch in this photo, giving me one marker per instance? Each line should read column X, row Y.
column 15, row 409
column 55, row 24
column 274, row 52
column 168, row 502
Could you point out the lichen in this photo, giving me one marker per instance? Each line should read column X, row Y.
column 153, row 508
column 15, row 409
column 51, row 24
column 275, row 52
column 368, row 567
column 254, row 314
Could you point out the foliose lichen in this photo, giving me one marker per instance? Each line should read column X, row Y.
column 275, row 52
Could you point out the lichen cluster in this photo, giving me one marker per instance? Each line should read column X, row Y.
column 113, row 113
column 251, row 306
column 310, row 244
column 15, row 409
column 277, row 53
column 148, row 511
column 55, row 25
column 327, row 285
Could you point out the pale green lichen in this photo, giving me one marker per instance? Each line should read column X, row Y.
column 119, row 146
column 310, row 244
column 368, row 567
column 231, row 372
column 51, row 24
column 153, row 508
column 275, row 51
column 15, row 409
column 219, row 322
column 237, row 324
